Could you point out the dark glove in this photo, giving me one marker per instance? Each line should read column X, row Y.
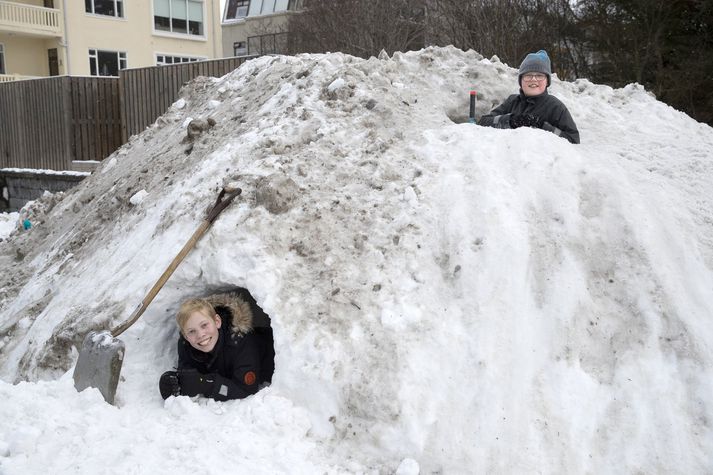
column 525, row 120
column 168, row 384
column 193, row 383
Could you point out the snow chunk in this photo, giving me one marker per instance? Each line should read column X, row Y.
column 138, row 197
column 277, row 193
column 336, row 84
column 213, row 104
column 109, row 165
column 180, row 104
column 410, row 196
column 24, row 324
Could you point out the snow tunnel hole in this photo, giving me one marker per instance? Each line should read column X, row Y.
column 260, row 349
column 458, row 116
column 461, row 113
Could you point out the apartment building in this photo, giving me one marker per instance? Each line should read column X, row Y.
column 99, row 37
column 257, row 27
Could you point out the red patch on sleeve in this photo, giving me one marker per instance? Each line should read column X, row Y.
column 249, row 378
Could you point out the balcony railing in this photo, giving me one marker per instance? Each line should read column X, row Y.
column 29, row 19
column 14, row 77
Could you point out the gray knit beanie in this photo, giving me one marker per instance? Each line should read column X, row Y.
column 536, row 63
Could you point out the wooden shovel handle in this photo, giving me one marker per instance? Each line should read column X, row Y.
column 224, row 199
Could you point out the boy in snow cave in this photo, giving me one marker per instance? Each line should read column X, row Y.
column 533, row 106
column 225, row 349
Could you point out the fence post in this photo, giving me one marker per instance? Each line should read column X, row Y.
column 122, row 105
column 66, row 115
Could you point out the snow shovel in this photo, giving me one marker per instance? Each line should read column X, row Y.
column 101, row 356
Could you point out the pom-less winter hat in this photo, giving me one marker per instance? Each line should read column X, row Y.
column 536, row 63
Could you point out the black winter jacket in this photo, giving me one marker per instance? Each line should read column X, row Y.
column 557, row 118
column 243, row 359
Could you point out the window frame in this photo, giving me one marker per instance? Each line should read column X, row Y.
column 241, row 4
column 2, row 59
column 271, row 7
column 121, row 61
column 173, row 56
column 170, row 30
column 117, row 3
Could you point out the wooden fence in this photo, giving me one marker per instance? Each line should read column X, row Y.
column 47, row 123
column 148, row 92
column 50, row 123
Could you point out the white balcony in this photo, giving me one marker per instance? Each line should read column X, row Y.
column 28, row 20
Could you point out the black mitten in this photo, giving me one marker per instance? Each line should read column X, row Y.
column 516, row 121
column 168, row 384
column 193, row 383
column 535, row 121
column 525, row 120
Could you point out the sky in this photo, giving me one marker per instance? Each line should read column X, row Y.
column 445, row 298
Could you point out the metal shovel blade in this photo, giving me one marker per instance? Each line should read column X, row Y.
column 99, row 364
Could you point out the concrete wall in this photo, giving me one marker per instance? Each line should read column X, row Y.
column 19, row 187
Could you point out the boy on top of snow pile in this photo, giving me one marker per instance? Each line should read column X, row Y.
column 533, row 106
column 222, row 354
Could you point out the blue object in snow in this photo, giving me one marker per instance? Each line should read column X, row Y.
column 26, row 224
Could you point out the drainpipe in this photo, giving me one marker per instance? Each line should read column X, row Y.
column 65, row 43
column 215, row 32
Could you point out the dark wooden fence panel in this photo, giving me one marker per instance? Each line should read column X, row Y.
column 33, row 116
column 96, row 117
column 48, row 123
column 146, row 93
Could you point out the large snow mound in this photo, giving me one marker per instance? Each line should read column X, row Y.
column 445, row 297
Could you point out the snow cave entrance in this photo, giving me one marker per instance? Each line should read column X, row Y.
column 261, row 322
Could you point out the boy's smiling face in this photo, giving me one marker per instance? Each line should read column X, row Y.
column 533, row 84
column 201, row 331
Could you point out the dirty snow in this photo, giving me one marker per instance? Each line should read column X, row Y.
column 446, row 298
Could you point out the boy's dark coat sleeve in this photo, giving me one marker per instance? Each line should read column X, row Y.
column 565, row 126
column 500, row 116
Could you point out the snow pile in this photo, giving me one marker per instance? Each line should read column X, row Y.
column 445, row 297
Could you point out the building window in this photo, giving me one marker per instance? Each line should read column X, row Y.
column 235, row 9
column 240, row 48
column 106, row 63
column 105, row 7
column 267, row 7
column 2, row 59
column 164, row 59
column 179, row 16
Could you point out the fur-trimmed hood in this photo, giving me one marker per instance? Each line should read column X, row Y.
column 242, row 315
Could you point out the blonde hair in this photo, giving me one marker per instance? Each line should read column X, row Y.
column 189, row 307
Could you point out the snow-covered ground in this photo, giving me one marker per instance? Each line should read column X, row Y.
column 446, row 298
